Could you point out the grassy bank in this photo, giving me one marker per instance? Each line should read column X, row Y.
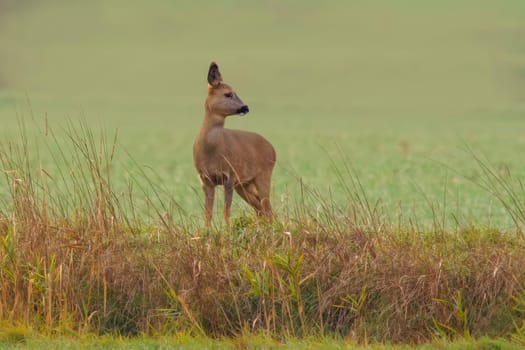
column 77, row 258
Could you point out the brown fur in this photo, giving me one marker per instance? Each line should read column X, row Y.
column 238, row 160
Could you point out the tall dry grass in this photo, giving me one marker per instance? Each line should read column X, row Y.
column 77, row 256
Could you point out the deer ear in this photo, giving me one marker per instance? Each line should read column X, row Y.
column 214, row 76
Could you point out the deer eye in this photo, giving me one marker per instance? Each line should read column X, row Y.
column 228, row 94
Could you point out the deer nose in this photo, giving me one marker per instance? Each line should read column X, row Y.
column 243, row 110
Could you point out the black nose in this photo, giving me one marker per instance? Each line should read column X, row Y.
column 243, row 110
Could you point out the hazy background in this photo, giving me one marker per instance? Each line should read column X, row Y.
column 398, row 87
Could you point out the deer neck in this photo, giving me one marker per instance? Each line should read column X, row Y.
column 211, row 134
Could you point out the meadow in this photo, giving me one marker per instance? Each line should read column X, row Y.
column 398, row 129
column 397, row 91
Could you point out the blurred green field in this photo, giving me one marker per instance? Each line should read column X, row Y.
column 396, row 90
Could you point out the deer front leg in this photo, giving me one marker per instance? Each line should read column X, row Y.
column 228, row 195
column 209, row 197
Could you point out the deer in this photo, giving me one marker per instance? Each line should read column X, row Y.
column 235, row 159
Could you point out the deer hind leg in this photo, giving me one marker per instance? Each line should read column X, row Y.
column 263, row 185
column 249, row 193
column 257, row 194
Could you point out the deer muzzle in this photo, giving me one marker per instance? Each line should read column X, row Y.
column 243, row 110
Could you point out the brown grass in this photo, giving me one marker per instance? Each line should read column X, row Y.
column 76, row 257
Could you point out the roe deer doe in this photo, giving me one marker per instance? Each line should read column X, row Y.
column 235, row 159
